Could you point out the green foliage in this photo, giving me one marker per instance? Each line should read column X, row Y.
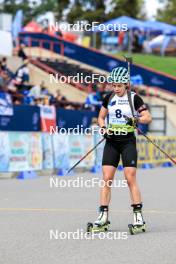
column 165, row 64
column 89, row 10
column 11, row 6
column 168, row 13
column 96, row 10
column 75, row 13
column 61, row 5
column 33, row 9
column 132, row 8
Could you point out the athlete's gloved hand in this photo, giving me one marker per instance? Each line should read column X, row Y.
column 104, row 132
column 131, row 121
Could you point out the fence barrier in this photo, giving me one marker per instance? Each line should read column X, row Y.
column 34, row 151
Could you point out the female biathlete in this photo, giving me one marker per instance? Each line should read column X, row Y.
column 123, row 116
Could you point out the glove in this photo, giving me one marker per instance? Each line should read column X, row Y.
column 131, row 121
column 104, row 132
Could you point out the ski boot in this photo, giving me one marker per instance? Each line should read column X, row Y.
column 139, row 225
column 102, row 223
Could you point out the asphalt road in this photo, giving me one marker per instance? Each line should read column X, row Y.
column 38, row 223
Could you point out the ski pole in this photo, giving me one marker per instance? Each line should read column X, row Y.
column 129, row 60
column 151, row 141
column 92, row 149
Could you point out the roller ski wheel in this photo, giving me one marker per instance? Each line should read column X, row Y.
column 95, row 228
column 89, row 227
column 136, row 229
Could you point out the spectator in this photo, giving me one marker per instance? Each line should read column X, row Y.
column 120, row 40
column 22, row 77
column 92, row 101
column 21, row 52
column 38, row 101
column 126, row 41
column 46, row 100
column 60, row 100
column 137, row 47
column 35, row 91
column 4, row 64
column 142, row 39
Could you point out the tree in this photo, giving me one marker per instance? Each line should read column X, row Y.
column 132, row 8
column 92, row 10
column 88, row 10
column 75, row 13
column 11, row 7
column 168, row 13
column 61, row 6
column 32, row 9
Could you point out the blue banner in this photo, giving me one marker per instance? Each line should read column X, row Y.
column 25, row 118
column 74, row 118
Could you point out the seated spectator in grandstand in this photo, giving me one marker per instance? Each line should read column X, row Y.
column 100, row 92
column 17, row 100
column 21, row 79
column 38, row 101
column 46, row 100
column 4, row 80
column 92, row 100
column 59, row 100
column 44, row 90
column 1, row 77
column 22, row 74
column 35, row 91
column 21, row 52
column 4, row 64
column 4, row 67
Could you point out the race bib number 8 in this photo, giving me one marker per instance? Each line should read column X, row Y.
column 118, row 113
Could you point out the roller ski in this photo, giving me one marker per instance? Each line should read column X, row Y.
column 101, row 224
column 139, row 225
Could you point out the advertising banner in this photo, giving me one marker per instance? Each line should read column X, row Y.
column 79, row 145
column 19, row 150
column 88, row 144
column 48, row 117
column 35, row 158
column 4, row 151
column 48, row 162
column 76, row 149
column 61, row 151
column 25, row 151
column 99, row 149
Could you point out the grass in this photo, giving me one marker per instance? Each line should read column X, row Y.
column 162, row 64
